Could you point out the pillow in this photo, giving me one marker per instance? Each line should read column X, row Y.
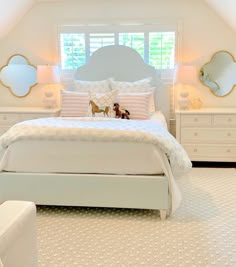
column 101, row 105
column 141, row 86
column 128, row 87
column 74, row 104
column 152, row 108
column 95, row 86
column 137, row 104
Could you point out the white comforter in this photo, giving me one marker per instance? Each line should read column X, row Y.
column 100, row 129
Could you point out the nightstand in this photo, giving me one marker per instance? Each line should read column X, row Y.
column 12, row 115
column 208, row 134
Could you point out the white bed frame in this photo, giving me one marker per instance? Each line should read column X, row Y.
column 99, row 190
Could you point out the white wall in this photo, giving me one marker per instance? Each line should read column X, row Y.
column 203, row 33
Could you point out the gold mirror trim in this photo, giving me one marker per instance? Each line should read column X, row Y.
column 10, row 89
column 208, row 62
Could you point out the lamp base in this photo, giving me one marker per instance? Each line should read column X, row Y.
column 49, row 100
column 183, row 100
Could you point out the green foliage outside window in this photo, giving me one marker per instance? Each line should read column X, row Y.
column 157, row 48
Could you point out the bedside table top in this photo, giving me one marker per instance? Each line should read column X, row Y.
column 207, row 111
column 29, row 110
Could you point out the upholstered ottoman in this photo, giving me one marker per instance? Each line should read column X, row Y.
column 18, row 239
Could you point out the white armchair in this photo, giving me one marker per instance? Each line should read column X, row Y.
column 18, row 239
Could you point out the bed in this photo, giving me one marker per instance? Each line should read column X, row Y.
column 97, row 161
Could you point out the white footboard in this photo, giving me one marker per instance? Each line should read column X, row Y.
column 95, row 190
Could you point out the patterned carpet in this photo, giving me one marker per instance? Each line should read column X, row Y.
column 201, row 233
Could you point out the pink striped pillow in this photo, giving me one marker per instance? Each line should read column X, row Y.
column 137, row 104
column 74, row 104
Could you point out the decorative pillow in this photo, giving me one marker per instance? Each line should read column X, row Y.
column 137, row 104
column 101, row 105
column 152, row 108
column 95, row 86
column 152, row 101
column 141, row 86
column 74, row 104
column 128, row 87
column 151, row 90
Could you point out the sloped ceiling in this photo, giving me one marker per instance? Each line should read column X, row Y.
column 12, row 11
column 226, row 9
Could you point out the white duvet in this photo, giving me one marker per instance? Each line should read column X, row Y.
column 100, row 129
column 83, row 141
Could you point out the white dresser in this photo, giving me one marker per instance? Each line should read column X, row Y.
column 208, row 134
column 11, row 115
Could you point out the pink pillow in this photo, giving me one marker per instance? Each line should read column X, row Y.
column 74, row 104
column 137, row 104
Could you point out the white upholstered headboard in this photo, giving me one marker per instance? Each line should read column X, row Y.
column 123, row 63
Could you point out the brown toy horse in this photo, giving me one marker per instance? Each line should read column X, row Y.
column 96, row 109
column 121, row 113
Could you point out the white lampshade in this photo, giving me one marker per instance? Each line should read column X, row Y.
column 48, row 74
column 186, row 74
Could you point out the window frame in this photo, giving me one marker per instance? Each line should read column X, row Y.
column 125, row 26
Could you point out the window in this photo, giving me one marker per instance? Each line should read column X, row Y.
column 156, row 47
column 72, row 50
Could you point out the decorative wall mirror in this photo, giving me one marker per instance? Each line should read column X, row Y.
column 19, row 75
column 219, row 74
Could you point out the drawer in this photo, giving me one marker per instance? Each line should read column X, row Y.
column 211, row 152
column 8, row 118
column 196, row 120
column 208, row 135
column 224, row 120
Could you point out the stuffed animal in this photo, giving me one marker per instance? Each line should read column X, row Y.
column 121, row 113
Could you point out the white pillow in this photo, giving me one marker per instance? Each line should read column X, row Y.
column 101, row 105
column 95, row 86
column 74, row 104
column 137, row 104
column 128, row 87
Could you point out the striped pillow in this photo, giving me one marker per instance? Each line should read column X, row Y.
column 137, row 104
column 141, row 86
column 74, row 104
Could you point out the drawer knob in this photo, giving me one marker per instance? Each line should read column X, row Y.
column 228, row 150
column 228, row 134
column 195, row 150
column 4, row 118
column 229, row 119
column 195, row 119
column 195, row 134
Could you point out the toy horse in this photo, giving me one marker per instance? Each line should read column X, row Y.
column 96, row 109
column 121, row 113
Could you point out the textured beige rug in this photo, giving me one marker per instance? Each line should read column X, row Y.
column 201, row 233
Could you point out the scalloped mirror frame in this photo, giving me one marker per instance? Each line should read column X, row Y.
column 20, row 79
column 215, row 85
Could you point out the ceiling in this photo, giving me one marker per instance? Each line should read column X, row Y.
column 12, row 12
column 226, row 9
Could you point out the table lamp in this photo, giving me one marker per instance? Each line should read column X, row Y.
column 185, row 74
column 47, row 74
